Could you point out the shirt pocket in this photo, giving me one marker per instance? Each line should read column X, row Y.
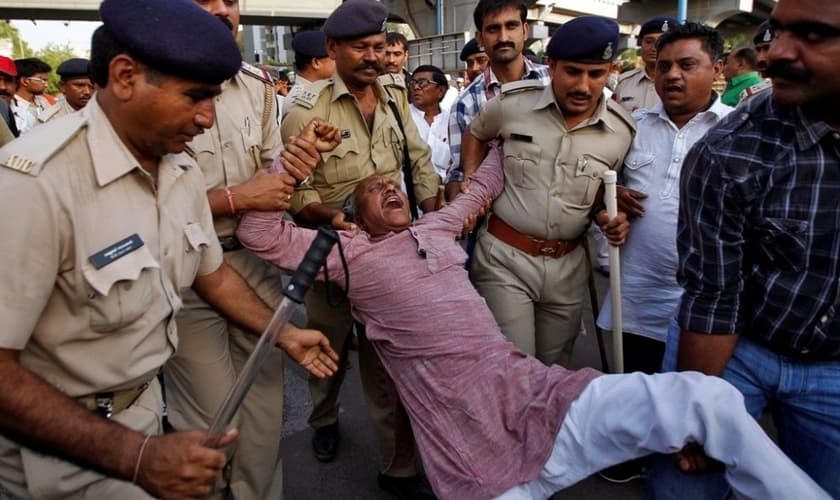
column 195, row 240
column 522, row 160
column 637, row 171
column 251, row 134
column 341, row 165
column 782, row 244
column 589, row 170
column 121, row 291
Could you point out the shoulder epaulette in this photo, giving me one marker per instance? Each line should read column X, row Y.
column 308, row 96
column 30, row 151
column 629, row 74
column 392, row 80
column 251, row 70
column 45, row 115
column 623, row 114
column 521, row 85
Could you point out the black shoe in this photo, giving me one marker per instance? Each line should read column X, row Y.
column 624, row 472
column 325, row 442
column 407, row 488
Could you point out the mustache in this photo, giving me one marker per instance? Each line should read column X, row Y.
column 501, row 45
column 370, row 65
column 579, row 95
column 785, row 70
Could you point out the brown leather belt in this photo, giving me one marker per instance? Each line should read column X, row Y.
column 528, row 244
column 106, row 404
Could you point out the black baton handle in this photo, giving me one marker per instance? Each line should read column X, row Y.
column 313, row 260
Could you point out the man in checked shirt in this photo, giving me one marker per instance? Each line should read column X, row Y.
column 759, row 252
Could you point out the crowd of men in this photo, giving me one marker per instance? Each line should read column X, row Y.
column 126, row 286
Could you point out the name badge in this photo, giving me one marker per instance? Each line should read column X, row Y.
column 521, row 138
column 119, row 249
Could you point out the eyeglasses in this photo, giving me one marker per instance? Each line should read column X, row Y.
column 422, row 83
column 38, row 78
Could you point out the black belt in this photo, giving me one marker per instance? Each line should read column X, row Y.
column 230, row 243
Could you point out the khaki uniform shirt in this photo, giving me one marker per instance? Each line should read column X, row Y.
column 362, row 152
column 551, row 174
column 89, row 311
column 297, row 89
column 635, row 90
column 59, row 109
column 244, row 137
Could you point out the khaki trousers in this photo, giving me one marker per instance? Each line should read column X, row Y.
column 211, row 352
column 537, row 301
column 26, row 474
column 390, row 423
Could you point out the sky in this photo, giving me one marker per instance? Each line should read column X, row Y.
column 40, row 33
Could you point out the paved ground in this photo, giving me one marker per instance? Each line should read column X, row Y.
column 352, row 476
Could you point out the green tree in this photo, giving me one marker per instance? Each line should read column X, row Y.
column 20, row 48
column 55, row 54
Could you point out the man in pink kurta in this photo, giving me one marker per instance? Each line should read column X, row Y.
column 487, row 417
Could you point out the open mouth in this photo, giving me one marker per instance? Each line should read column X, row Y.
column 392, row 201
column 673, row 88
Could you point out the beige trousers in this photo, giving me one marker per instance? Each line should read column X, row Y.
column 26, row 474
column 537, row 301
column 211, row 352
column 390, row 423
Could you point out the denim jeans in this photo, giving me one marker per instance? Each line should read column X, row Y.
column 804, row 399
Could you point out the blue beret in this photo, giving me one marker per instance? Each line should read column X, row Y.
column 356, row 19
column 310, row 43
column 764, row 34
column 175, row 37
column 471, row 47
column 659, row 24
column 74, row 68
column 587, row 39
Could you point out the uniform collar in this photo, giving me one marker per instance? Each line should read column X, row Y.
column 111, row 158
column 340, row 89
column 718, row 109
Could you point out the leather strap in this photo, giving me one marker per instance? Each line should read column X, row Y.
column 528, row 244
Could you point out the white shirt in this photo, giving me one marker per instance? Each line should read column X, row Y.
column 649, row 290
column 448, row 99
column 436, row 136
column 26, row 113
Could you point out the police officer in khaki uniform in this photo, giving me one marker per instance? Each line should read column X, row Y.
column 357, row 101
column 312, row 63
column 635, row 89
column 76, row 86
column 110, row 224
column 529, row 263
column 233, row 156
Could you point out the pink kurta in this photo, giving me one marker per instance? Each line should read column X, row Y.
column 484, row 415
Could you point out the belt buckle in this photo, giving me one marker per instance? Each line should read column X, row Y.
column 105, row 404
column 548, row 251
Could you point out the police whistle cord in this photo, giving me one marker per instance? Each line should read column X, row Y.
column 293, row 293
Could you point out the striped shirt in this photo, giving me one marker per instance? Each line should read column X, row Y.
column 759, row 231
column 470, row 102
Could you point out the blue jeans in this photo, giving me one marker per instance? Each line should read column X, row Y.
column 804, row 398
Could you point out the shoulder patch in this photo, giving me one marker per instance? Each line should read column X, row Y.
column 392, row 80
column 308, row 95
column 521, row 85
column 30, row 151
column 255, row 72
column 623, row 114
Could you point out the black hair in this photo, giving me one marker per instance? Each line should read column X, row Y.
column 396, row 38
column 302, row 61
column 282, row 76
column 486, row 7
column 746, row 55
column 710, row 38
column 31, row 66
column 437, row 74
